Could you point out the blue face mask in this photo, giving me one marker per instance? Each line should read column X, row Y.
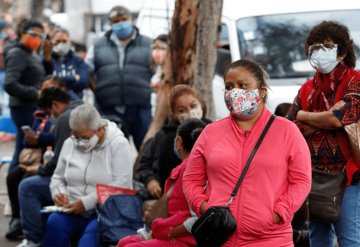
column 3, row 35
column 2, row 24
column 123, row 29
column 176, row 152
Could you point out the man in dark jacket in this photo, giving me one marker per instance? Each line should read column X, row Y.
column 34, row 192
column 120, row 62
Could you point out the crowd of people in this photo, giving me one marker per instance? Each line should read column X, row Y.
column 192, row 162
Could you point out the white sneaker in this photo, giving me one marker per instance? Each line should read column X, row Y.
column 28, row 243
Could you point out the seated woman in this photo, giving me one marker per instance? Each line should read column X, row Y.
column 158, row 159
column 97, row 153
column 175, row 230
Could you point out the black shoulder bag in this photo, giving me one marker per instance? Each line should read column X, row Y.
column 217, row 224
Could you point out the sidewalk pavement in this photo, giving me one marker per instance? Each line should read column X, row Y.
column 6, row 150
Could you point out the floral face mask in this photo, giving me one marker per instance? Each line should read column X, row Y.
column 242, row 103
column 194, row 113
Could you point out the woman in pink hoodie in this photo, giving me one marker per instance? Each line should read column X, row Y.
column 279, row 176
column 174, row 230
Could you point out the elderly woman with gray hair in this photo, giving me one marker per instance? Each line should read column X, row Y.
column 97, row 152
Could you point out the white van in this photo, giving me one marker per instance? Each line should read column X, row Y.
column 271, row 33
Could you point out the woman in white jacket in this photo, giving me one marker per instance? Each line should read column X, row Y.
column 96, row 153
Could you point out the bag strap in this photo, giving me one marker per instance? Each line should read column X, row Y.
column 250, row 159
column 170, row 189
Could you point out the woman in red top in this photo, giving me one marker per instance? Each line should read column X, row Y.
column 176, row 229
column 322, row 107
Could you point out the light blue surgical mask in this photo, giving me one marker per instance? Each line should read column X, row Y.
column 176, row 152
column 3, row 35
column 2, row 24
column 123, row 29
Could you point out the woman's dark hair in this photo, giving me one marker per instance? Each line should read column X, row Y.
column 27, row 24
column 189, row 131
column 162, row 37
column 180, row 90
column 336, row 32
column 282, row 109
column 254, row 68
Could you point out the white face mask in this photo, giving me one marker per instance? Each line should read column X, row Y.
column 62, row 49
column 194, row 113
column 324, row 59
column 86, row 145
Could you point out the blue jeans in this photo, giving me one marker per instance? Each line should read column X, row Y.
column 21, row 115
column 34, row 193
column 60, row 228
column 135, row 122
column 347, row 228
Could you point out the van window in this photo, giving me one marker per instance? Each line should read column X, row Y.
column 223, row 51
column 277, row 41
column 224, row 36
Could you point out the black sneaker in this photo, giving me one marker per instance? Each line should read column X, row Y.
column 15, row 232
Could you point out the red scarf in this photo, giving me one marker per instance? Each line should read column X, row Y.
column 322, row 95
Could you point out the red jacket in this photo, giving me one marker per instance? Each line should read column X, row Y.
column 178, row 208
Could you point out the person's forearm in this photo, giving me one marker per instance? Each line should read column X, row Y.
column 178, row 231
column 308, row 130
column 320, row 120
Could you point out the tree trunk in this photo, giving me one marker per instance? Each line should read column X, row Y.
column 207, row 39
column 179, row 61
column 37, row 9
column 4, row 6
column 185, row 54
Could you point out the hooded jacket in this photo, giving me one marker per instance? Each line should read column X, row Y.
column 159, row 158
column 78, row 172
column 67, row 67
column 24, row 72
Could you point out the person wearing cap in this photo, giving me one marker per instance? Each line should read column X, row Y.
column 120, row 61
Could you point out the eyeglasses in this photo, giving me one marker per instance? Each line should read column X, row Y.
column 78, row 140
column 35, row 34
column 153, row 46
column 315, row 47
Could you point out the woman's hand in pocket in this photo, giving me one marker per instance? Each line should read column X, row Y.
column 277, row 218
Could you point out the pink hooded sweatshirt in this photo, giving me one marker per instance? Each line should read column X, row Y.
column 278, row 179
